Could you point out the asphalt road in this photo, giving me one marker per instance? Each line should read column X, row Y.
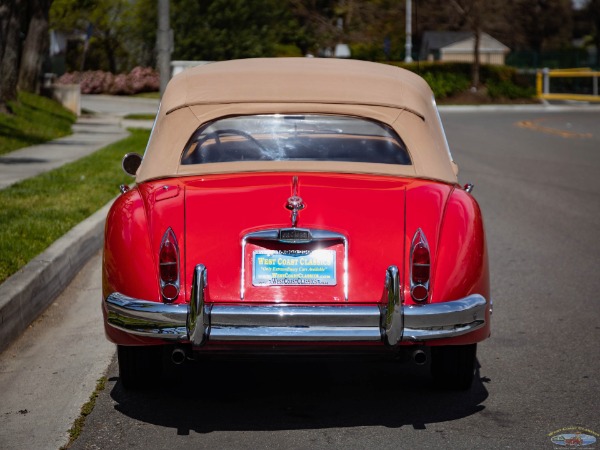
column 537, row 178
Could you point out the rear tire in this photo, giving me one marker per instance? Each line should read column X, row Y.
column 139, row 367
column 453, row 366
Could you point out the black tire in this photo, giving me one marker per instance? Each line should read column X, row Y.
column 139, row 367
column 453, row 366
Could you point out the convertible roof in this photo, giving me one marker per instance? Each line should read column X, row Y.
column 298, row 80
column 385, row 93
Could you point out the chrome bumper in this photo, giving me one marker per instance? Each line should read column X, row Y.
column 390, row 323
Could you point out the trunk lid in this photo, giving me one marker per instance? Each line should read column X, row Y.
column 232, row 226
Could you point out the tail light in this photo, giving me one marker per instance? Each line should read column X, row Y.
column 420, row 267
column 168, row 266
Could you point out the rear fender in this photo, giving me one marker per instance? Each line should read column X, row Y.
column 129, row 265
column 461, row 265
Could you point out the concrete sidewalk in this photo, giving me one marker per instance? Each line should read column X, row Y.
column 90, row 133
column 27, row 293
column 106, row 124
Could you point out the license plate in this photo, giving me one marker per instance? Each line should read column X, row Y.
column 293, row 267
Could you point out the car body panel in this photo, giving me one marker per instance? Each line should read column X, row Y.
column 223, row 217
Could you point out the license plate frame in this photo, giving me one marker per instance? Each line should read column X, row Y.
column 294, row 267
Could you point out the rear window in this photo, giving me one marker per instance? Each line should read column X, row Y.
column 277, row 137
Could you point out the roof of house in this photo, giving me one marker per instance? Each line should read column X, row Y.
column 434, row 41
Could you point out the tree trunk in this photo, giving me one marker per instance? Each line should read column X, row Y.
column 471, row 11
column 476, row 60
column 10, row 50
column 109, row 48
column 35, row 47
column 476, row 19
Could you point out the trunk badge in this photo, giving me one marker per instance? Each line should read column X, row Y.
column 295, row 203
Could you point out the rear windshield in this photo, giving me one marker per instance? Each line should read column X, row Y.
column 295, row 138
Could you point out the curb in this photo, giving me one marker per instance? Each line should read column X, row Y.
column 27, row 293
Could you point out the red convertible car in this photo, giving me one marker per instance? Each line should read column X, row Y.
column 296, row 206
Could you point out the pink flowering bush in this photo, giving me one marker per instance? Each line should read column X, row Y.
column 140, row 79
column 144, row 79
column 120, row 85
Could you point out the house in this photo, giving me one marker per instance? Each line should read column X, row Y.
column 459, row 46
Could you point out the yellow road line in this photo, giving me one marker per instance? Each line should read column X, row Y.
column 534, row 125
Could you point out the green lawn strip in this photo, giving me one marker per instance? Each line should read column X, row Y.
column 36, row 212
column 155, row 95
column 34, row 120
column 140, row 116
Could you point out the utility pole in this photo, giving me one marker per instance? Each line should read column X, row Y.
column 408, row 45
column 164, row 44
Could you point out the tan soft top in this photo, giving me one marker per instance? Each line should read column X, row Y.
column 382, row 92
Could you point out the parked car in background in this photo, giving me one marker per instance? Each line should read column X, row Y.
column 296, row 206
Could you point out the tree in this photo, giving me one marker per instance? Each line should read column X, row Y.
column 543, row 24
column 226, row 29
column 139, row 37
column 471, row 13
column 107, row 21
column 35, row 46
column 10, row 50
column 316, row 22
column 475, row 16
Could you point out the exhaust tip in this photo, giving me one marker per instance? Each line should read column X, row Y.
column 419, row 357
column 178, row 356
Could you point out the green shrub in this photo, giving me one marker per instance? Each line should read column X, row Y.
column 287, row 50
column 446, row 84
column 508, row 89
column 447, row 79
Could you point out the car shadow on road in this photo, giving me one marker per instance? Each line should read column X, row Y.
column 288, row 395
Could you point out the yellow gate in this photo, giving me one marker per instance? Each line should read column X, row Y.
column 545, row 75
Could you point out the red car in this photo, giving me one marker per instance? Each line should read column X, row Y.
column 296, row 206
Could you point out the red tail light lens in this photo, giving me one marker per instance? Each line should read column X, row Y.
column 420, row 267
column 420, row 264
column 168, row 265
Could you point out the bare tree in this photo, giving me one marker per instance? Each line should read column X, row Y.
column 544, row 24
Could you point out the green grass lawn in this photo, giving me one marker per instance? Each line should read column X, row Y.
column 36, row 212
column 140, row 116
column 35, row 120
column 148, row 95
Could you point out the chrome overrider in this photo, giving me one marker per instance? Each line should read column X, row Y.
column 390, row 323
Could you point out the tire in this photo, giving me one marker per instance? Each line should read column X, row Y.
column 453, row 366
column 139, row 367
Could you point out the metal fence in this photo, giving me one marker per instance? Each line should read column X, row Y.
column 553, row 59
